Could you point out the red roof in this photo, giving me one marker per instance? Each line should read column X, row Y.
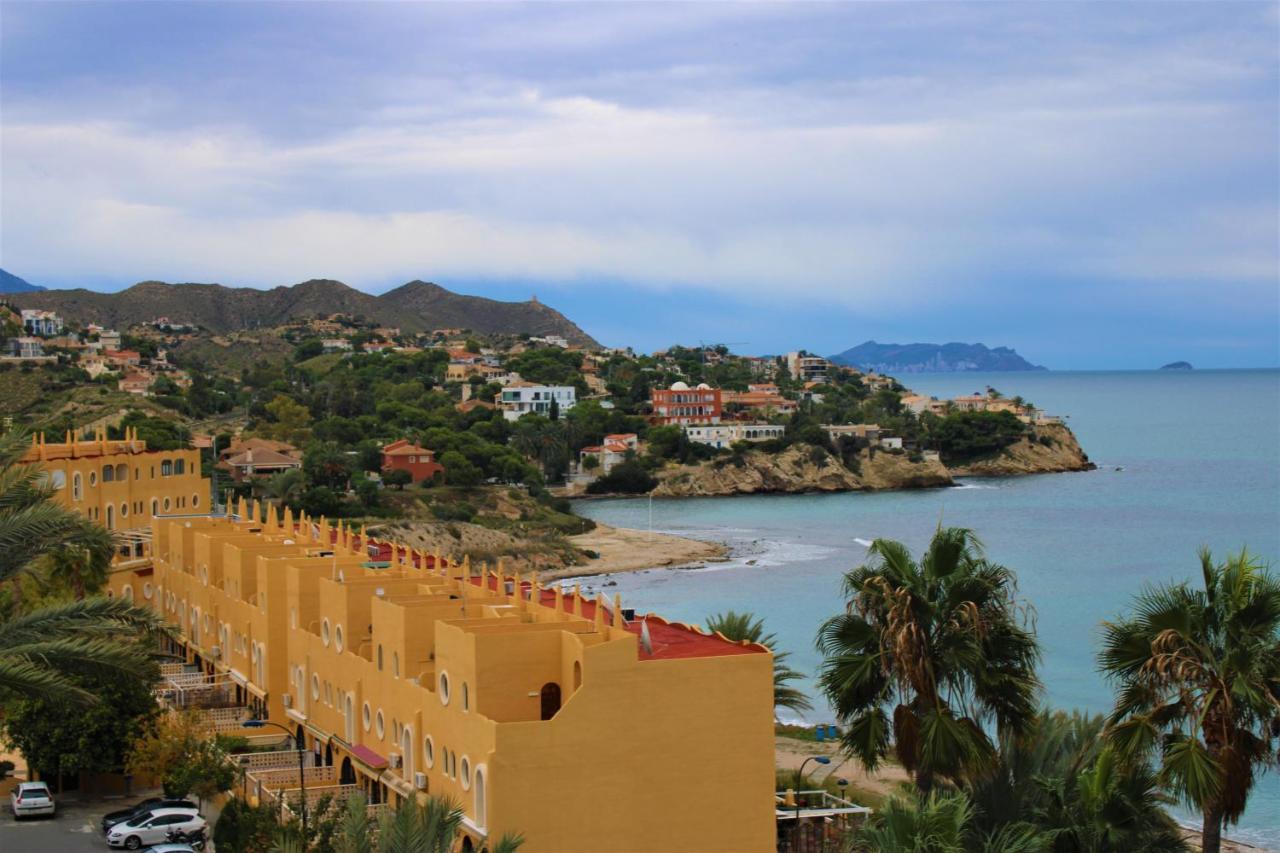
column 368, row 757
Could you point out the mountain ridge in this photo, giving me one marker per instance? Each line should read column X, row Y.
column 415, row 306
column 10, row 283
column 932, row 358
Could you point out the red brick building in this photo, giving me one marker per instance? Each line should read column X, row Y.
column 403, row 456
column 681, row 404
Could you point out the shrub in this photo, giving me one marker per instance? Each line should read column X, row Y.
column 629, row 477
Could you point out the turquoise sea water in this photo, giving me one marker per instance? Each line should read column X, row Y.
column 1185, row 459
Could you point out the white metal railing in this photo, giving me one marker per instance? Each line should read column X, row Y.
column 274, row 759
column 288, row 777
column 815, row 803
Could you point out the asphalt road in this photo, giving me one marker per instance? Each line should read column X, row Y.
column 75, row 829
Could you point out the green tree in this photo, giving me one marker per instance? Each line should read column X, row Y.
column 44, row 649
column 458, row 470
column 1197, row 673
column 325, row 464
column 397, row 477
column 941, row 642
column 310, row 348
column 746, row 626
column 93, row 740
column 627, row 477
column 183, row 750
column 242, row 828
column 290, row 421
column 287, row 486
column 79, row 569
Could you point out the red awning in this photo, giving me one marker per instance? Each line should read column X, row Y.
column 368, row 757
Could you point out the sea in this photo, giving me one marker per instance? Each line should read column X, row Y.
column 1185, row 459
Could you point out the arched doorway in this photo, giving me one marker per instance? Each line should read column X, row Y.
column 347, row 773
column 299, row 739
column 467, row 846
column 479, row 788
column 328, row 755
column 550, row 700
column 111, row 517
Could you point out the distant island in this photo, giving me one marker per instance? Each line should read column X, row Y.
column 1177, row 365
column 932, row 358
column 10, row 283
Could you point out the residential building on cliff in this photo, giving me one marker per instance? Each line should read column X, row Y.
column 681, row 404
column 728, row 434
column 520, row 398
column 536, row 709
column 403, row 455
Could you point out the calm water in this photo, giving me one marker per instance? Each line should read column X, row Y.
column 1185, row 459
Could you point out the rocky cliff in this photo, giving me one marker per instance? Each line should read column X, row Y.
column 1050, row 449
column 800, row 468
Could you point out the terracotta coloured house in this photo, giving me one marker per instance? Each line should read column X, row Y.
column 418, row 461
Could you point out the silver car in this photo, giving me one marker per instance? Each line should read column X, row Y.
column 30, row 799
column 154, row 828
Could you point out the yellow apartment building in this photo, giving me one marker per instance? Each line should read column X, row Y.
column 120, row 483
column 581, row 725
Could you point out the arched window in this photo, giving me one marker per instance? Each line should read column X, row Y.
column 58, row 479
column 122, row 472
column 111, row 521
column 155, row 506
column 166, row 468
column 482, row 806
column 406, row 751
column 108, row 473
column 180, row 466
column 77, row 487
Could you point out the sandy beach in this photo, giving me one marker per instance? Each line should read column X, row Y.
column 625, row 550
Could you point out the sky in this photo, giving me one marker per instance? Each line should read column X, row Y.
column 1095, row 184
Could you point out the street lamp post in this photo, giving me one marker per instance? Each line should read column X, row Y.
column 821, row 759
column 301, row 744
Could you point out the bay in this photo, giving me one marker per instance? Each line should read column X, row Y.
column 1185, row 459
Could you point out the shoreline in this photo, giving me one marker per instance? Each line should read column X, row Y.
column 624, row 549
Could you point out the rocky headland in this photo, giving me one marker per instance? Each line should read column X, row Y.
column 1052, row 449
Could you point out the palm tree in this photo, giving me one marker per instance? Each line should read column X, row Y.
column 287, row 486
column 79, row 568
column 430, row 827
column 745, row 626
column 944, row 643
column 1198, row 674
column 1062, row 779
column 42, row 650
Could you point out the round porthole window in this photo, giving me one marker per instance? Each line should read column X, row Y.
column 381, row 725
column 444, row 688
column 466, row 773
column 324, row 632
column 147, row 591
column 429, row 751
column 337, row 638
column 366, row 716
column 315, row 686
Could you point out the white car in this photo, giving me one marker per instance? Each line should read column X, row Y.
column 154, row 828
column 30, row 799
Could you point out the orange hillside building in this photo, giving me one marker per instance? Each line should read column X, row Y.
column 681, row 404
column 418, row 461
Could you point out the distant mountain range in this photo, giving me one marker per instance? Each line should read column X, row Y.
column 932, row 358
column 10, row 283
column 418, row 306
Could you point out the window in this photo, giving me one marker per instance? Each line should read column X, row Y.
column 77, row 487
column 93, row 479
column 379, row 657
column 381, row 725
column 147, row 591
column 108, row 473
column 195, row 500
column 180, row 467
column 127, row 593
column 395, row 664
column 122, row 472
column 366, row 716
column 481, row 809
column 58, row 479
column 429, row 751
column 324, row 632
column 466, row 697
column 155, row 506
column 466, row 773
column 444, row 688
column 166, row 468
column 166, row 504
column 124, row 510
column 337, row 638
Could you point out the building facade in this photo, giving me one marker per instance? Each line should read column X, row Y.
column 120, row 483
column 418, row 461
column 520, row 398
column 538, row 710
column 681, row 404
column 43, row 323
column 727, row 434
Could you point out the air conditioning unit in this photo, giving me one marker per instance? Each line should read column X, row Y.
column 394, row 760
column 420, row 781
column 287, row 699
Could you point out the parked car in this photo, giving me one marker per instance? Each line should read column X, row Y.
column 154, row 828
column 30, row 799
column 139, row 809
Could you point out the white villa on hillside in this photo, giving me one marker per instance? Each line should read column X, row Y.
column 725, row 435
column 520, row 398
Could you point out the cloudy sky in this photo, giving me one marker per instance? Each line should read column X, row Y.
column 1095, row 184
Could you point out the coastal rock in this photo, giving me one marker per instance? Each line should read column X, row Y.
column 1051, row 448
column 800, row 468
